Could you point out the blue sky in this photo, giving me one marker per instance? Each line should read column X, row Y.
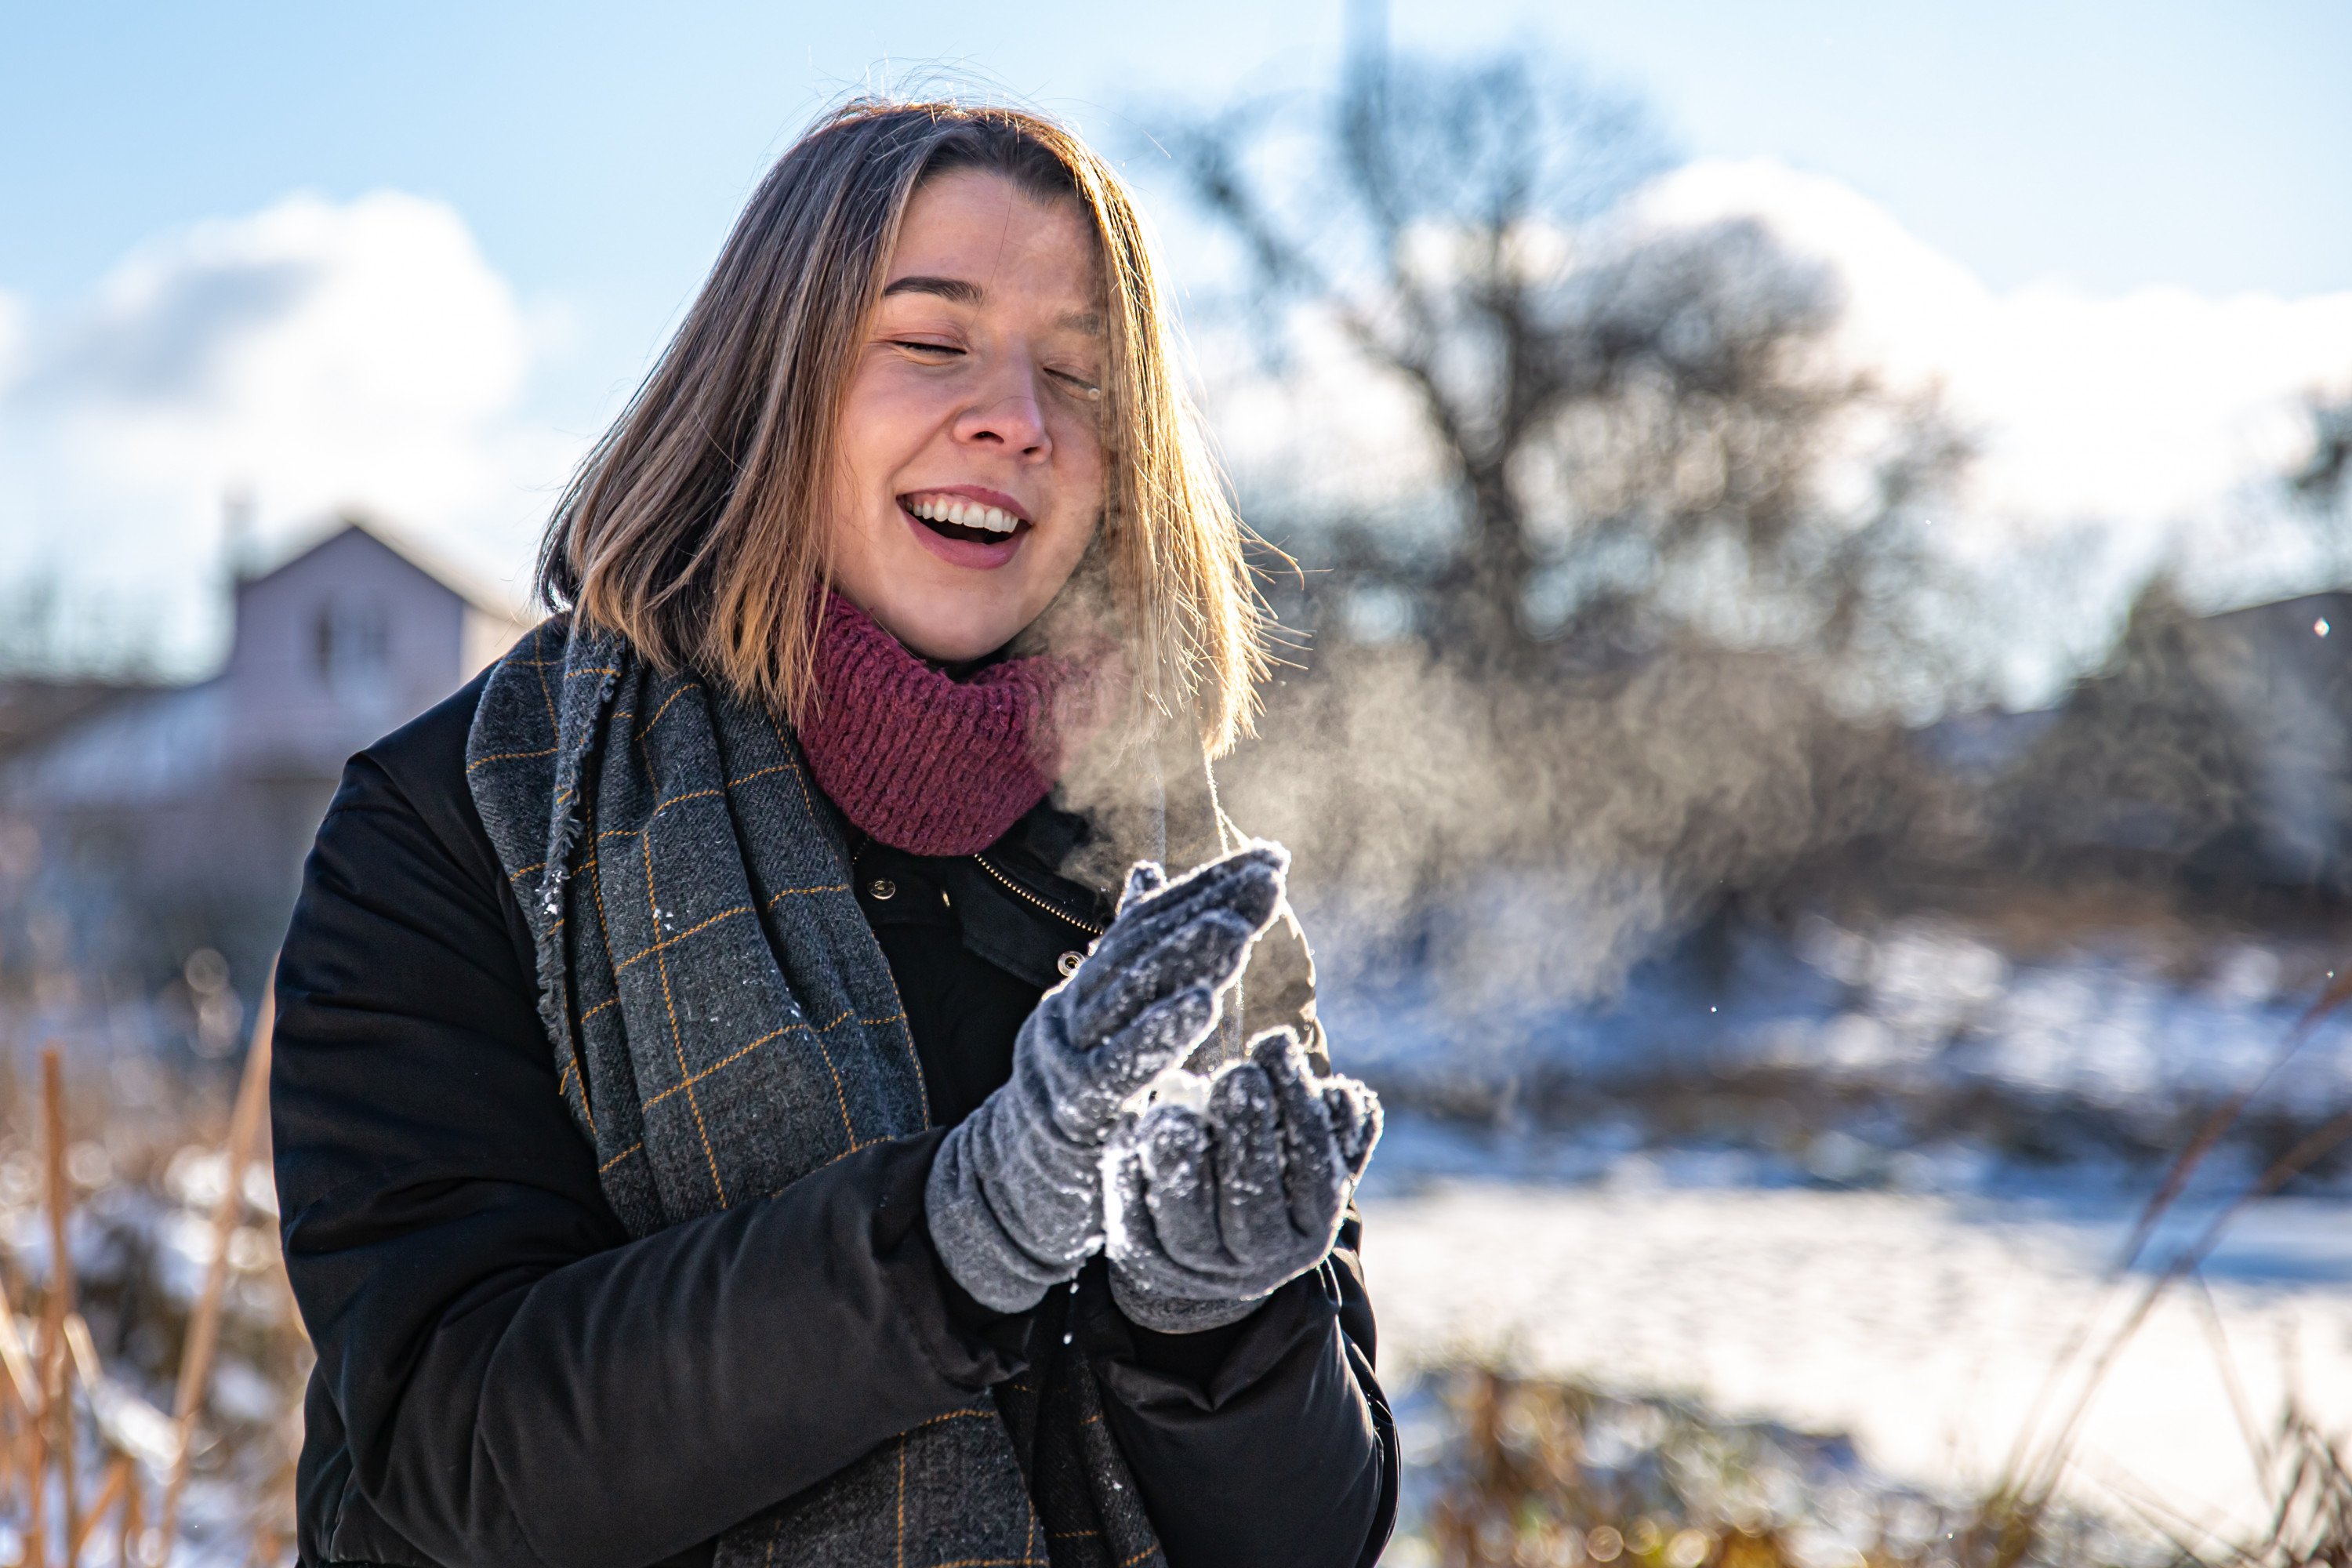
column 598, row 150
column 555, row 179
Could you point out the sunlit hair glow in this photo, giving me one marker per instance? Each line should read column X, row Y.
column 693, row 527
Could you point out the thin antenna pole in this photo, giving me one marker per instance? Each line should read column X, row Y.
column 1366, row 42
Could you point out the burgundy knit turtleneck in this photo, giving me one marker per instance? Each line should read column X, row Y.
column 924, row 764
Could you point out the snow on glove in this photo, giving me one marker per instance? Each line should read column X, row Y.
column 1014, row 1200
column 1207, row 1212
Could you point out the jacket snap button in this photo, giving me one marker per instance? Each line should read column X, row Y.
column 883, row 889
column 1068, row 963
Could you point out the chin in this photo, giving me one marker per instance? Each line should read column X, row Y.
column 950, row 638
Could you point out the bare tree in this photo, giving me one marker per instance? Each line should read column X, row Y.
column 1608, row 407
column 49, row 632
column 2152, row 763
column 2326, row 477
column 1623, row 706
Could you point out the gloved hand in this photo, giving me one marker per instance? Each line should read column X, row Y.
column 1014, row 1200
column 1208, row 1211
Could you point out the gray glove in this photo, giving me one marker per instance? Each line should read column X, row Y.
column 1207, row 1212
column 1014, row 1200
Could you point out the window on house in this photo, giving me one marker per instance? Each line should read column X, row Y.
column 351, row 645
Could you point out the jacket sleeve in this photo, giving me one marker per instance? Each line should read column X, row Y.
column 1269, row 1441
column 503, row 1376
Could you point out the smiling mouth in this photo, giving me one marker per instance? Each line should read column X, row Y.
column 969, row 521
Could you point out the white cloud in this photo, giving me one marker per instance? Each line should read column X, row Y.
column 2147, row 411
column 323, row 354
column 12, row 331
column 2116, row 433
column 319, row 355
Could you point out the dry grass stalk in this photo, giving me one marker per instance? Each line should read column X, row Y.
column 20, row 1451
column 1519, row 1492
column 115, row 1488
column 39, row 1428
column 2313, row 1523
column 57, row 1396
column 122, row 1472
column 24, row 1381
column 1525, row 1485
column 2031, row 1478
column 129, row 1547
column 2160, row 1202
column 36, row 1491
column 204, row 1330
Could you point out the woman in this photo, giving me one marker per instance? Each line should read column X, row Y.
column 867, row 1208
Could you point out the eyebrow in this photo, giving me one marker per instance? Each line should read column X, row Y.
column 960, row 291
column 953, row 288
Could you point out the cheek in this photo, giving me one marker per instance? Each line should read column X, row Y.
column 854, row 458
column 1079, row 445
column 884, row 423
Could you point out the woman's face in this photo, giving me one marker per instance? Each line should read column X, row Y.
column 968, row 465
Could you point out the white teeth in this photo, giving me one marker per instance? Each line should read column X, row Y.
column 963, row 513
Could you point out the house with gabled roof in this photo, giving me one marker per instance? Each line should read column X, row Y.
column 177, row 816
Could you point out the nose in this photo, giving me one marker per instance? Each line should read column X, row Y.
column 1007, row 412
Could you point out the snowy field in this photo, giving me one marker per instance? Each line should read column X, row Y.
column 1899, row 1204
column 1924, row 1326
column 2130, row 1029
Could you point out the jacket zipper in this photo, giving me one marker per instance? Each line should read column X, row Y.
column 1017, row 890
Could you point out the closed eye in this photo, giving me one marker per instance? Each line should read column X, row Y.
column 913, row 345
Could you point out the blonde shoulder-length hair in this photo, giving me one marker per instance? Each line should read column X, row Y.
column 694, row 526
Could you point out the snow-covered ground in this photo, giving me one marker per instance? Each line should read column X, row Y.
column 1925, row 1326
column 1903, row 1210
column 1918, row 1054
column 2131, row 1019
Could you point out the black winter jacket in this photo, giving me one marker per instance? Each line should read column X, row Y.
column 505, row 1377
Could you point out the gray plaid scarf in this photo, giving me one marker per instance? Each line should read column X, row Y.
column 724, row 1023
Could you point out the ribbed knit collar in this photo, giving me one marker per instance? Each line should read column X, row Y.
column 924, row 762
